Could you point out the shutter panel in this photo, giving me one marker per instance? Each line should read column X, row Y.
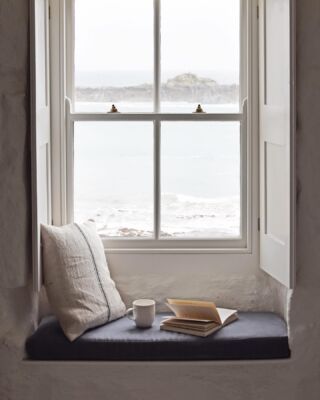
column 40, row 129
column 276, row 139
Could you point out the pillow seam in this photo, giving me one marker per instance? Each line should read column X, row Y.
column 96, row 270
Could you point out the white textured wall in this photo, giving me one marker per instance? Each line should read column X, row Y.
column 298, row 379
column 160, row 276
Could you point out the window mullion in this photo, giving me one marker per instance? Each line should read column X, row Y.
column 157, row 124
column 156, row 51
column 157, row 189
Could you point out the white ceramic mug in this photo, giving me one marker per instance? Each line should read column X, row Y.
column 142, row 312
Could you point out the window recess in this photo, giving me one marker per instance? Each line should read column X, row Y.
column 54, row 191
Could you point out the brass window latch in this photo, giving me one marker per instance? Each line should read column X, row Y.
column 199, row 110
column 113, row 109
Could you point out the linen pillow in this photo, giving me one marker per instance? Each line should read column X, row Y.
column 77, row 278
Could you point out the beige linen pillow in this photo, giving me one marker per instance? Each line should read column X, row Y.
column 77, row 279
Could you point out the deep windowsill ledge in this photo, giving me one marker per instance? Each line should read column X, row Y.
column 255, row 336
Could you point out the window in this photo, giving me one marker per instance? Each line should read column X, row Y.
column 158, row 173
column 181, row 166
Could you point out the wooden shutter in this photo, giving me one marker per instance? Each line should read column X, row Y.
column 40, row 128
column 276, row 139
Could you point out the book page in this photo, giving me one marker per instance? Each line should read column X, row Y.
column 191, row 331
column 227, row 315
column 196, row 310
column 189, row 324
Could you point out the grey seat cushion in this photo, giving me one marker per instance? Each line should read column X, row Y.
column 256, row 335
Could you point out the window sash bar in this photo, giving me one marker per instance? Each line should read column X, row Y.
column 69, row 164
column 223, row 117
column 244, row 171
column 156, row 178
column 156, row 123
column 157, row 55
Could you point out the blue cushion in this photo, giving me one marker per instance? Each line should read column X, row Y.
column 256, row 335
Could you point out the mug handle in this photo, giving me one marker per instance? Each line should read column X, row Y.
column 129, row 314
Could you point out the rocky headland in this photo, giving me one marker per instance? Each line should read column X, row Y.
column 185, row 87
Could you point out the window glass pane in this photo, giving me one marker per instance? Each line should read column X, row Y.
column 113, row 177
column 200, row 179
column 200, row 55
column 113, row 55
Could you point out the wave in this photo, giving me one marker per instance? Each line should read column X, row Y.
column 182, row 198
column 181, row 216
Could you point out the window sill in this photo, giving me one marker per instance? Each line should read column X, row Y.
column 176, row 246
column 112, row 250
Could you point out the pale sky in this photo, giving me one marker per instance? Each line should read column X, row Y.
column 118, row 35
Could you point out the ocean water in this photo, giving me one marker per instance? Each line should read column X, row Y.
column 200, row 175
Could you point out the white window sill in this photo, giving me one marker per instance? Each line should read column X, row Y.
column 113, row 250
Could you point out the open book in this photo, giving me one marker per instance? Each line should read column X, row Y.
column 199, row 318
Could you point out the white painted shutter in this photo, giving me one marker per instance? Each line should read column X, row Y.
column 40, row 129
column 276, row 139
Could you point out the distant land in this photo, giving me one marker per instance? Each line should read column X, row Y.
column 184, row 87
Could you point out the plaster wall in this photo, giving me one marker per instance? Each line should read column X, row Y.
column 298, row 378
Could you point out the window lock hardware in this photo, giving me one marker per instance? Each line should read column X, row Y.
column 113, row 109
column 199, row 110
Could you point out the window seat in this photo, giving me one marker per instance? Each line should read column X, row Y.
column 256, row 335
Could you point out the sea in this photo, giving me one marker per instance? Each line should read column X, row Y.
column 199, row 173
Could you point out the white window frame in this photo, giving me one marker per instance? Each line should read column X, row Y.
column 63, row 118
